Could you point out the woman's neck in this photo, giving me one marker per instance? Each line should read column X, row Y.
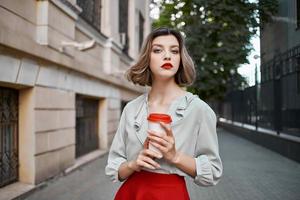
column 164, row 91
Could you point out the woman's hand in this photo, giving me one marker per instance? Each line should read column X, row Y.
column 145, row 159
column 165, row 143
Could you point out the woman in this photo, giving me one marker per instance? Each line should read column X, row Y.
column 190, row 146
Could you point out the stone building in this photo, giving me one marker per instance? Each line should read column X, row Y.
column 62, row 87
column 280, row 70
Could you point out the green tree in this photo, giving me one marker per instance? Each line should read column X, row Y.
column 218, row 34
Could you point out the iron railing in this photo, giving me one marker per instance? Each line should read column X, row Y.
column 91, row 12
column 275, row 103
column 86, row 125
column 8, row 136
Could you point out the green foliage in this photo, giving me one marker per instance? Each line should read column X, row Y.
column 218, row 34
column 266, row 8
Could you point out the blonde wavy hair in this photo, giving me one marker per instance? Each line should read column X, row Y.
column 140, row 73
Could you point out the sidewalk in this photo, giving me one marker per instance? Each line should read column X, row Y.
column 250, row 172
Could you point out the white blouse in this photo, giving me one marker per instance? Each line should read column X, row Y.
column 194, row 128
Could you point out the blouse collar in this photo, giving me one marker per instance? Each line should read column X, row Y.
column 181, row 106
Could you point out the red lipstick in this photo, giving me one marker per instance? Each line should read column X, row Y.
column 167, row 66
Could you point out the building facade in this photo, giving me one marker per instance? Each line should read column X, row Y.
column 62, row 84
column 280, row 70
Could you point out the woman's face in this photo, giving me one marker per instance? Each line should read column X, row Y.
column 164, row 57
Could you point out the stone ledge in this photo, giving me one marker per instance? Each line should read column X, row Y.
column 8, row 39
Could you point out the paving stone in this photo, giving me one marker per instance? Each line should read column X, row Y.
column 250, row 172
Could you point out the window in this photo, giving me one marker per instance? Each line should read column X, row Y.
column 9, row 158
column 298, row 13
column 298, row 74
column 123, row 23
column 263, row 75
column 141, row 29
column 91, row 12
column 86, row 125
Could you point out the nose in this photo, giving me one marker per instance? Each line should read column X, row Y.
column 167, row 55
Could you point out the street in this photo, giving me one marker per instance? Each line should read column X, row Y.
column 250, row 172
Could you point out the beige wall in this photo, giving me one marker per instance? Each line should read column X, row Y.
column 54, row 127
column 27, row 138
column 136, row 7
column 114, row 20
column 49, row 77
column 47, row 113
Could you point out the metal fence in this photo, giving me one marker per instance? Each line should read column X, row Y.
column 86, row 125
column 275, row 103
column 8, row 136
column 91, row 12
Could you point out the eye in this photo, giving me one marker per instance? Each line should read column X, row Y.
column 175, row 51
column 156, row 50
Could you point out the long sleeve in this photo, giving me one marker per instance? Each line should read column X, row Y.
column 208, row 163
column 117, row 154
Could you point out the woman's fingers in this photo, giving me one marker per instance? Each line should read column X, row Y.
column 159, row 140
column 160, row 147
column 152, row 154
column 151, row 162
column 145, row 161
column 146, row 143
column 165, row 142
column 168, row 138
column 167, row 128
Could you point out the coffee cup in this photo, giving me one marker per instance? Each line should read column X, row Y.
column 154, row 120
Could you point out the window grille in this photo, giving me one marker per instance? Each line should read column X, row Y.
column 8, row 136
column 86, row 125
column 91, row 12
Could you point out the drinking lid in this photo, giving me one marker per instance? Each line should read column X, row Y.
column 158, row 117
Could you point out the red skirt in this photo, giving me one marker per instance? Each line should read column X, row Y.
column 146, row 185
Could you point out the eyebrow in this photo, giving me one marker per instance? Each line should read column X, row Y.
column 163, row 46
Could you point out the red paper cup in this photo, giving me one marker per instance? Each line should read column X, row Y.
column 154, row 120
